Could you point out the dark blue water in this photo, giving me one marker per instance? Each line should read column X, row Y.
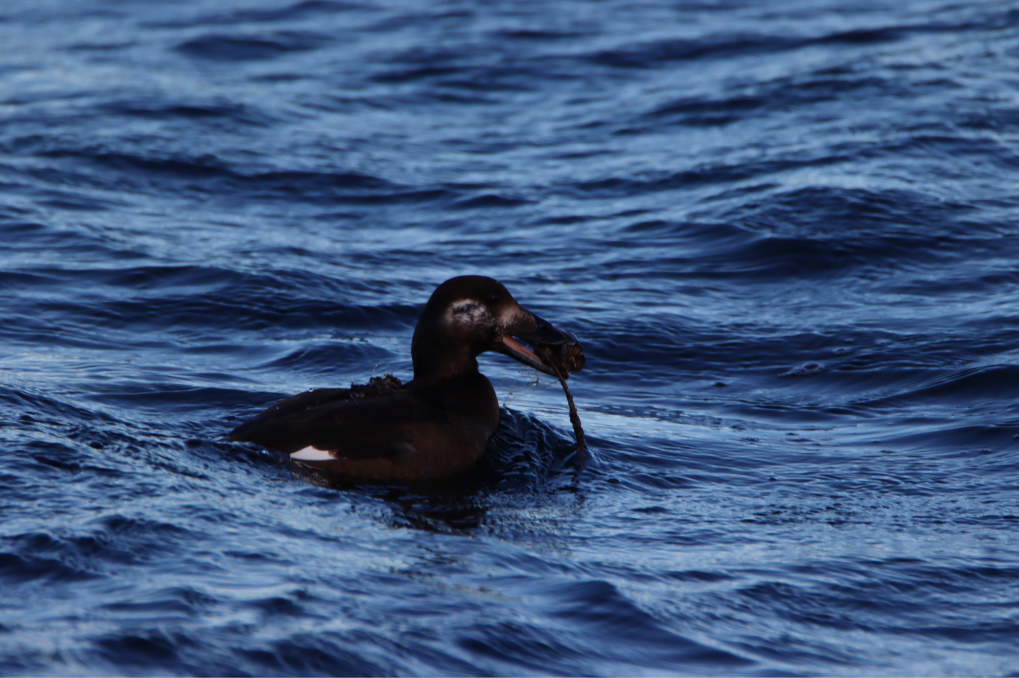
column 787, row 233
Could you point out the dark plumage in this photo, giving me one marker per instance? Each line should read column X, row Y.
column 436, row 425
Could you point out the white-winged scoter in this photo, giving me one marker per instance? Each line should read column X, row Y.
column 434, row 426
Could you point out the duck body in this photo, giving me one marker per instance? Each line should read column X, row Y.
column 435, row 426
column 413, row 433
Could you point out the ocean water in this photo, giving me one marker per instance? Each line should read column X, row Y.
column 786, row 232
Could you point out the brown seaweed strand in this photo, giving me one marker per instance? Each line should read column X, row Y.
column 574, row 417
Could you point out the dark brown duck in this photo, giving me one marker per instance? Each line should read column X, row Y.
column 439, row 423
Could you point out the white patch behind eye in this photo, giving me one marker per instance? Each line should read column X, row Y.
column 468, row 312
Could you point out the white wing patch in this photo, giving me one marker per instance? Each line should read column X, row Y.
column 310, row 453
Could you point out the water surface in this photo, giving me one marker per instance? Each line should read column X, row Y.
column 786, row 233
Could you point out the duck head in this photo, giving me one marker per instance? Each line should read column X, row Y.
column 469, row 315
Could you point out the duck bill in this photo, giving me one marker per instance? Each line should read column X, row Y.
column 536, row 332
